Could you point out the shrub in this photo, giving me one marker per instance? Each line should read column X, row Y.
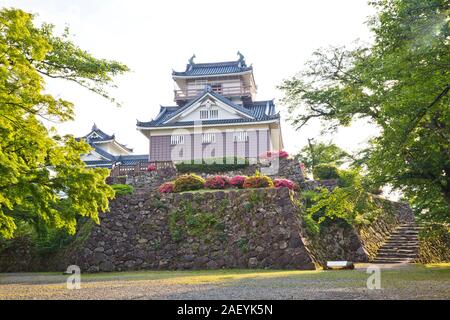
column 151, row 168
column 213, row 165
column 166, row 187
column 285, row 183
column 188, row 182
column 325, row 171
column 217, row 182
column 258, row 181
column 122, row 189
column 238, row 181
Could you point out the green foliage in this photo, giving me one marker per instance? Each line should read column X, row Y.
column 213, row 165
column 188, row 182
column 185, row 221
column 325, row 171
column 399, row 83
column 322, row 153
column 43, row 180
column 350, row 201
column 122, row 189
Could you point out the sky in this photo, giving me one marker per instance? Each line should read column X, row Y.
column 154, row 37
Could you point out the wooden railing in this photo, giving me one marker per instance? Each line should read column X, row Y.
column 225, row 91
column 124, row 170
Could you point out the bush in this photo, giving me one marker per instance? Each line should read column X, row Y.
column 217, row 182
column 325, row 172
column 238, row 181
column 213, row 165
column 285, row 183
column 258, row 181
column 166, row 187
column 188, row 182
column 122, row 189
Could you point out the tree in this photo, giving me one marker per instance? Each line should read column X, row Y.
column 321, row 153
column 42, row 178
column 401, row 83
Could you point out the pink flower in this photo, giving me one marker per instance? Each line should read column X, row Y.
column 151, row 167
column 274, row 154
column 237, row 181
column 217, row 182
column 284, row 183
column 166, row 187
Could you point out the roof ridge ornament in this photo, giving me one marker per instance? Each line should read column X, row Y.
column 94, row 127
column 241, row 60
column 191, row 60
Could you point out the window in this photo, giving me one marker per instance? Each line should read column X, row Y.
column 209, row 138
column 204, row 114
column 209, row 114
column 213, row 114
column 240, row 136
column 178, row 139
column 216, row 87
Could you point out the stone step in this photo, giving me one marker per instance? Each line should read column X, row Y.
column 413, row 241
column 393, row 259
column 404, row 234
column 396, row 255
column 403, row 238
column 397, row 251
column 402, row 246
column 389, row 261
column 399, row 247
column 409, row 233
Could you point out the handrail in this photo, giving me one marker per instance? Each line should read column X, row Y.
column 123, row 170
column 223, row 90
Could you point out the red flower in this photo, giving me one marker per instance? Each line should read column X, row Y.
column 166, row 187
column 284, row 183
column 217, row 182
column 237, row 181
column 151, row 167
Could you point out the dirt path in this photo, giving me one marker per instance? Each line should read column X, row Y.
column 410, row 282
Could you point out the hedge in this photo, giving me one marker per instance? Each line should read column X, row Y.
column 213, row 165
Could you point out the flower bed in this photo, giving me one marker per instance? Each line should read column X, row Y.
column 192, row 182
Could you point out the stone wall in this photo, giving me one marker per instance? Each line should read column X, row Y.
column 338, row 240
column 434, row 244
column 231, row 229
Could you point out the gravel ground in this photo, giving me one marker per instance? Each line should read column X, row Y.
column 397, row 282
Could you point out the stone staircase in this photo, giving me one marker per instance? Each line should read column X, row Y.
column 401, row 247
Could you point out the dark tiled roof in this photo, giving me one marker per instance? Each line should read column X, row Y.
column 101, row 137
column 132, row 159
column 113, row 160
column 99, row 163
column 257, row 111
column 213, row 68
